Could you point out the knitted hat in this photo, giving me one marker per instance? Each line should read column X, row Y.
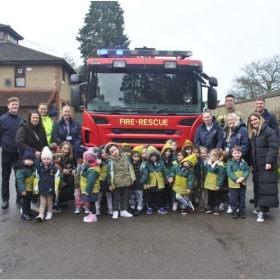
column 125, row 144
column 138, row 149
column 28, row 155
column 79, row 151
column 46, row 153
column 187, row 143
column 57, row 153
column 91, row 154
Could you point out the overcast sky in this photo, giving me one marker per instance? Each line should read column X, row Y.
column 224, row 35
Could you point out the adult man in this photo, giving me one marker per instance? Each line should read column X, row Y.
column 9, row 124
column 268, row 117
column 229, row 108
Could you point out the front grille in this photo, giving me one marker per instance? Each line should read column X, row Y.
column 143, row 131
column 140, row 141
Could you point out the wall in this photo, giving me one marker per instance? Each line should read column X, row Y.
column 247, row 107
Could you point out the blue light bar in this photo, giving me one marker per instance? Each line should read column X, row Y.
column 119, row 52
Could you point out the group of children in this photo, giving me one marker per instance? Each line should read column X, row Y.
column 192, row 179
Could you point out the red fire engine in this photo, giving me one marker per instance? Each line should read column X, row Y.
column 142, row 96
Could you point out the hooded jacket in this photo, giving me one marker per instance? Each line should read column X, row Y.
column 155, row 173
column 238, row 137
column 30, row 137
column 265, row 150
column 271, row 121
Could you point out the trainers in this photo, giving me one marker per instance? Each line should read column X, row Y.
column 90, row 218
column 221, row 206
column 87, row 210
column 97, row 211
column 199, row 209
column 137, row 212
column 242, row 214
column 184, row 212
column 110, row 211
column 124, row 213
column 77, row 210
column 115, row 215
column 208, row 210
column 216, row 211
column 260, row 218
column 265, row 211
column 149, row 211
column 49, row 216
column 234, row 215
column 40, row 218
column 229, row 210
column 175, row 206
column 167, row 205
column 189, row 206
column 162, row 210
column 56, row 209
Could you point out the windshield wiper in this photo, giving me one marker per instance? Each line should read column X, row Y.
column 170, row 107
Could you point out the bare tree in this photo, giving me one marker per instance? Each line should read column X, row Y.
column 258, row 78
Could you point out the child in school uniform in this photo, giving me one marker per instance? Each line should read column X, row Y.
column 214, row 179
column 174, row 147
column 120, row 177
column 104, row 187
column 238, row 172
column 183, row 182
column 136, row 189
column 47, row 172
column 89, row 182
column 24, row 173
column 79, row 203
column 167, row 158
column 188, row 147
column 155, row 174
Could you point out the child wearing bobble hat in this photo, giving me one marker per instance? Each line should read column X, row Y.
column 24, row 172
column 89, row 182
column 46, row 171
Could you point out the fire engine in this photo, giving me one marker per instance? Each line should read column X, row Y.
column 142, row 97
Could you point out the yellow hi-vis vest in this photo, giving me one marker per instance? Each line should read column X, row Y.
column 156, row 179
column 211, row 181
column 180, row 185
column 234, row 185
column 83, row 182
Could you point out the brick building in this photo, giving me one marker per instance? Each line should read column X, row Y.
column 32, row 76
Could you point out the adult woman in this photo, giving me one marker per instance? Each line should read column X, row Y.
column 67, row 129
column 264, row 151
column 210, row 133
column 31, row 135
column 236, row 133
column 47, row 121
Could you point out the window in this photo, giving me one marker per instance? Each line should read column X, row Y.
column 1, row 35
column 11, row 39
column 20, row 76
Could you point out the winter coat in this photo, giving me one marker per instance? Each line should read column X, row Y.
column 271, row 121
column 9, row 124
column 30, row 137
column 89, row 182
column 24, row 176
column 47, row 179
column 235, row 170
column 264, row 149
column 215, row 175
column 60, row 132
column 210, row 139
column 120, row 171
column 183, row 179
column 155, row 174
column 238, row 137
column 138, row 170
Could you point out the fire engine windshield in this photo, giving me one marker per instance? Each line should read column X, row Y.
column 144, row 93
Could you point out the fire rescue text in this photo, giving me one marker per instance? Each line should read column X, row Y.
column 156, row 122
